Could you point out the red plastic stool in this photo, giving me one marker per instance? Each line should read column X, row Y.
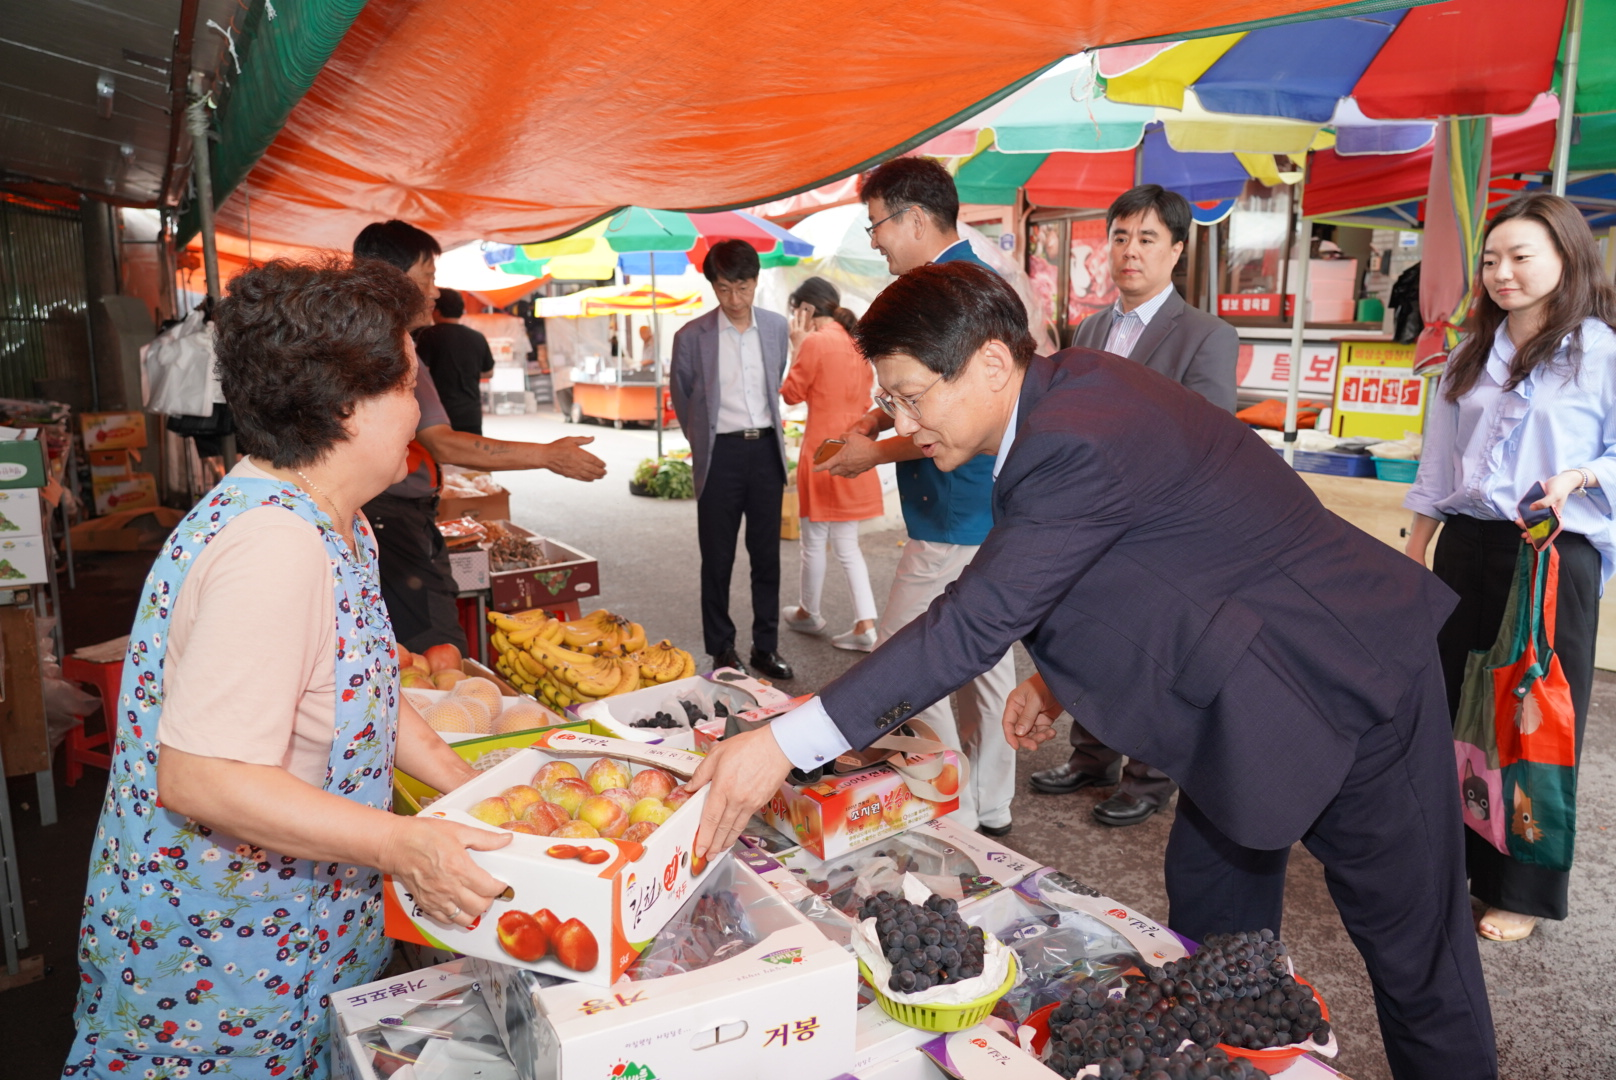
column 105, row 678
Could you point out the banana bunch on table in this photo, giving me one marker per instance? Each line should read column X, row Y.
column 568, row 663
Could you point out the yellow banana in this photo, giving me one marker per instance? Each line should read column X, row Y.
column 633, row 638
column 521, row 637
column 500, row 641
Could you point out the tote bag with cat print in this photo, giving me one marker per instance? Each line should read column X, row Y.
column 1515, row 734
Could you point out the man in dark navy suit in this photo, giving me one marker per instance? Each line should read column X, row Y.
column 1187, row 598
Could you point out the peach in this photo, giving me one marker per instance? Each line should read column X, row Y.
column 481, row 689
column 575, row 946
column 640, row 831
column 676, row 798
column 621, row 796
column 606, row 773
column 445, row 680
column 493, row 810
column 442, row 658
column 651, row 784
column 947, row 782
column 651, row 810
column 414, row 678
column 552, row 771
column 524, row 827
column 521, row 799
column 520, row 714
column 576, row 830
column 569, row 794
column 521, row 936
column 605, row 815
column 547, row 816
column 419, row 663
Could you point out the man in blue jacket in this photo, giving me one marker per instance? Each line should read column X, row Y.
column 913, row 209
column 1187, row 598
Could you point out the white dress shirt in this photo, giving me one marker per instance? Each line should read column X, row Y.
column 807, row 735
column 1128, row 326
column 743, row 400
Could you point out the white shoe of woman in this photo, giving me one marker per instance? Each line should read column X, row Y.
column 854, row 641
column 803, row 623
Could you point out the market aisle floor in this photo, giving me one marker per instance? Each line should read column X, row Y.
column 1550, row 994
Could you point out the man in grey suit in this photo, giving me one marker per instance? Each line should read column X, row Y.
column 1149, row 323
column 726, row 372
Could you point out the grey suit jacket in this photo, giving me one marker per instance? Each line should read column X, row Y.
column 694, row 382
column 1185, row 344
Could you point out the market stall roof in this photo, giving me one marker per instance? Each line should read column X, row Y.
column 463, row 118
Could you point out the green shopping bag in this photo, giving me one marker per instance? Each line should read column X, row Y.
column 1515, row 733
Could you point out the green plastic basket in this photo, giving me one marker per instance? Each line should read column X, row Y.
column 941, row 1018
column 1396, row 469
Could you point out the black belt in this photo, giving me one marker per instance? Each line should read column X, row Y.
column 749, row 434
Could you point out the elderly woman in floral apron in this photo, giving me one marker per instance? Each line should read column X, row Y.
column 235, row 879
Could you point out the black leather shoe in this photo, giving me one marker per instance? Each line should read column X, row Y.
column 771, row 664
column 1125, row 808
column 1063, row 779
column 993, row 830
column 728, row 658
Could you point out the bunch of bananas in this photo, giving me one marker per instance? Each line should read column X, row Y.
column 567, row 663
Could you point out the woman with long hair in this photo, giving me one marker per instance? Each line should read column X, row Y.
column 829, row 373
column 1529, row 397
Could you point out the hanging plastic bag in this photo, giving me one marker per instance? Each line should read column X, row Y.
column 180, row 378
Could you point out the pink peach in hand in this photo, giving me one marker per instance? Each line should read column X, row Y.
column 606, row 773
column 651, row 783
column 605, row 815
column 551, row 771
column 569, row 794
column 651, row 810
column 493, row 810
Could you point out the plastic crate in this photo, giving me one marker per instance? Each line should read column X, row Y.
column 1396, row 470
column 1322, row 461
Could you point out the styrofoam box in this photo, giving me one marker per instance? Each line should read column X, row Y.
column 623, row 900
column 785, row 1007
column 19, row 513
column 740, row 694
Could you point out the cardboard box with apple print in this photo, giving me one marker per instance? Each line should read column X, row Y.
column 843, row 812
column 577, row 907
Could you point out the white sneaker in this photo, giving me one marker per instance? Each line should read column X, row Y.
column 854, row 641
column 814, row 624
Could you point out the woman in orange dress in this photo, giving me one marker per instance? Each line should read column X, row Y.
column 831, row 375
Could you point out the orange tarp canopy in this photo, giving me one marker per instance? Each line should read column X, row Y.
column 510, row 121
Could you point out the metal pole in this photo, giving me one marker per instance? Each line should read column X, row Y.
column 202, row 170
column 1568, row 97
column 1212, row 269
column 1293, row 386
column 656, row 357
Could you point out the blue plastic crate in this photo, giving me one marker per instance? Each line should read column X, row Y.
column 1322, row 461
column 1396, row 470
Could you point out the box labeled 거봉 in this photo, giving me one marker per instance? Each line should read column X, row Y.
column 783, row 1005
column 20, row 514
column 844, row 812
column 608, row 896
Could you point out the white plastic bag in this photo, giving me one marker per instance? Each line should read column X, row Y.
column 180, row 378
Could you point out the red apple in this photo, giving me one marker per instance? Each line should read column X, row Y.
column 575, row 946
column 442, row 658
column 651, row 783
column 521, row 935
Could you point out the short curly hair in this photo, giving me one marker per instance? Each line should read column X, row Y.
column 300, row 344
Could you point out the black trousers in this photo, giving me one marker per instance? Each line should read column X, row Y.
column 1477, row 560
column 1394, row 863
column 416, row 582
column 1139, row 779
column 744, row 480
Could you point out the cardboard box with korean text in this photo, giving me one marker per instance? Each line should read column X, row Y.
column 608, row 896
column 979, row 1053
column 473, row 494
column 483, row 752
column 1151, row 940
column 693, row 703
column 135, row 492
column 434, row 1019
column 783, row 1005
column 19, row 513
column 24, row 560
column 843, row 812
column 113, row 430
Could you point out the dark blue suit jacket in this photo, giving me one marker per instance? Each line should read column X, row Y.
column 1184, row 594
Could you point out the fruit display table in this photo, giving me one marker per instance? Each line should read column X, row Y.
column 619, row 402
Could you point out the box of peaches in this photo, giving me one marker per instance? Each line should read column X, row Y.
column 601, row 858
column 460, row 699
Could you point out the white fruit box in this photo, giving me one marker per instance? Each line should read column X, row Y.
column 909, row 1065
column 1153, row 941
column 24, row 560
column 786, row 1006
column 19, row 513
column 744, row 695
column 887, row 1047
column 433, row 1021
column 423, row 699
column 622, row 899
column 980, row 1053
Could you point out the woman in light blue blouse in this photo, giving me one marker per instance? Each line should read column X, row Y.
column 1529, row 397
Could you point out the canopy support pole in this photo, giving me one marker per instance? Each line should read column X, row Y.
column 656, row 356
column 1303, row 248
column 202, row 171
column 1568, row 96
